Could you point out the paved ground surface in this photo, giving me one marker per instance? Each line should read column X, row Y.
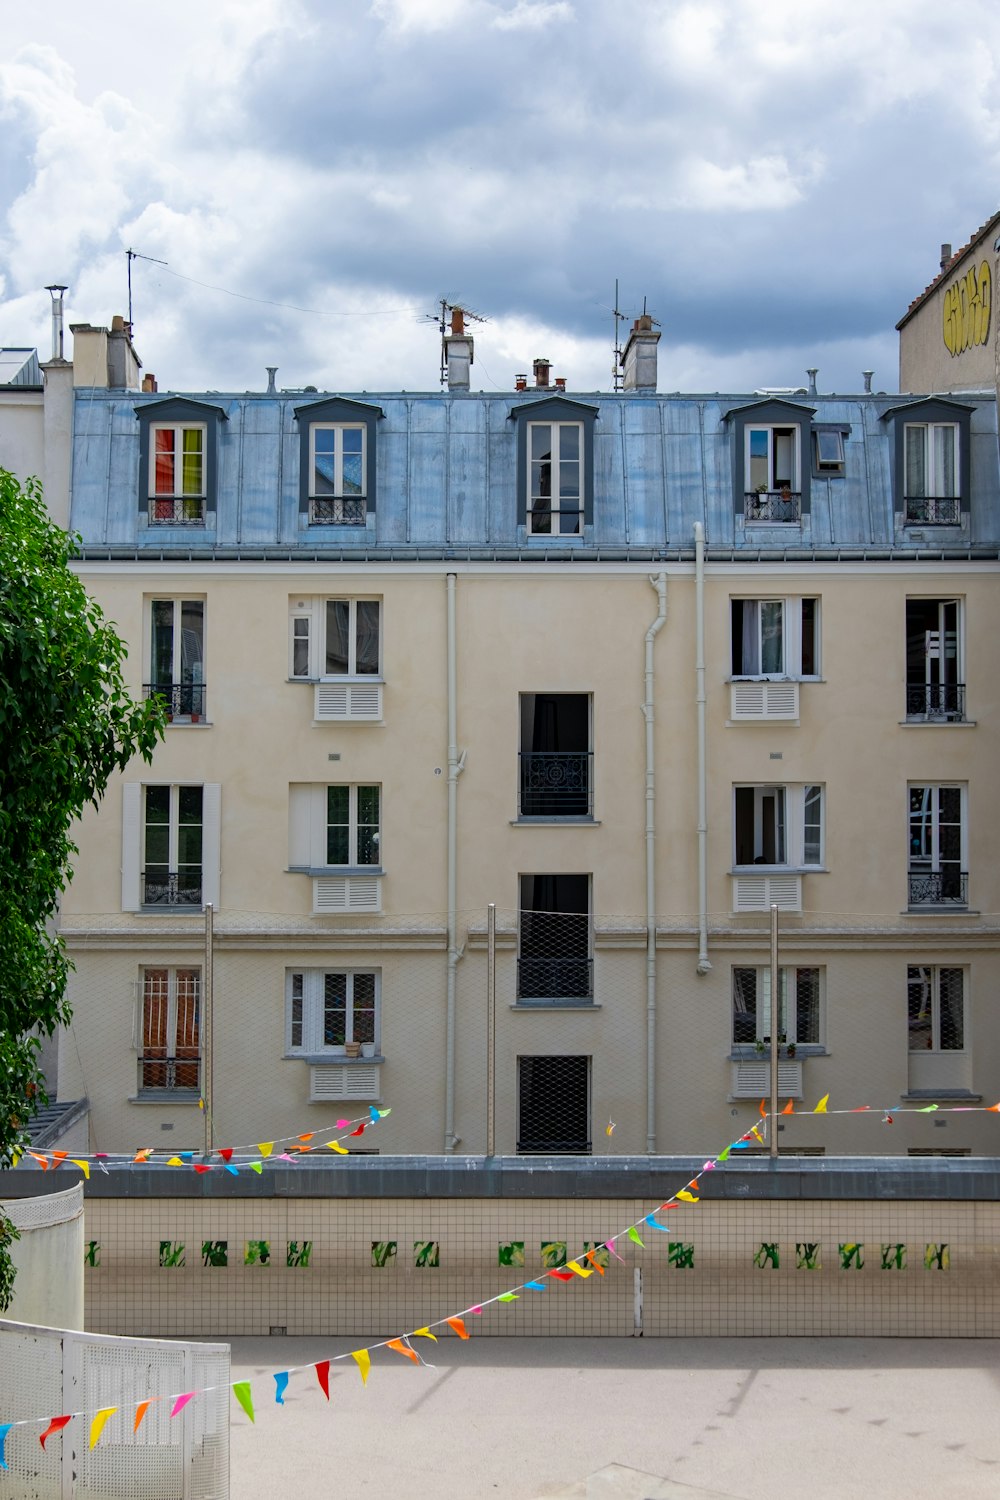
column 606, row 1419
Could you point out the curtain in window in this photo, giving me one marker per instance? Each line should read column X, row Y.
column 751, row 638
column 916, row 463
column 944, row 462
column 367, row 625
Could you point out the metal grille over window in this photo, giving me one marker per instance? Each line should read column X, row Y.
column 170, row 1060
column 556, row 762
column 554, row 1105
column 554, row 963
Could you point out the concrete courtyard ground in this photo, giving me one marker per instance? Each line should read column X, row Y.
column 519, row 1418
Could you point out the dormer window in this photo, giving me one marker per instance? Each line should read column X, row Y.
column 178, row 460
column 931, row 461
column 337, row 462
column 770, row 479
column 555, row 467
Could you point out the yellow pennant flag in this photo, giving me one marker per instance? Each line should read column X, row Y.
column 336, row 1146
column 573, row 1265
column 83, row 1165
column 97, row 1425
column 364, row 1360
column 821, row 1106
column 424, row 1333
column 686, row 1197
column 265, row 1147
column 174, row 1161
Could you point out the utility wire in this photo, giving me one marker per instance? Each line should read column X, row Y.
column 288, row 306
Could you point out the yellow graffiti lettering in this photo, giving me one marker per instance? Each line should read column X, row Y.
column 965, row 310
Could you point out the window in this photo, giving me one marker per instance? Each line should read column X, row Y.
column 553, row 1105
column 170, row 1030
column 554, row 962
column 931, row 483
column 799, row 1007
column 778, row 825
column 172, row 846
column 337, row 474
column 335, row 835
column 556, row 760
column 773, row 490
column 775, row 637
column 178, row 460
column 337, row 469
column 935, row 1007
column 828, row 450
column 177, row 657
column 555, row 478
column 332, row 1013
column 935, row 690
column 335, row 638
column 937, row 874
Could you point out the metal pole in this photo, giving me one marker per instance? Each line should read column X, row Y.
column 207, row 1023
column 775, row 1030
column 491, row 1026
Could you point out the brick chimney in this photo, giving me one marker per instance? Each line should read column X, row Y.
column 541, row 368
column 639, row 358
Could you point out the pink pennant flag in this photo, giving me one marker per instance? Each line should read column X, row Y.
column 610, row 1245
column 459, row 1326
column 56, row 1425
column 182, row 1401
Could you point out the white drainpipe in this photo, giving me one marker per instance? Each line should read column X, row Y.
column 660, row 585
column 704, row 967
column 456, row 765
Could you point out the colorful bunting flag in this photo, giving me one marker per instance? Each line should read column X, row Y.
column 724, row 1155
column 140, row 1412
column 241, row 1390
column 789, row 1108
column 535, row 1286
column 56, row 1425
column 507, row 1297
column 374, row 1114
column 821, row 1106
column 562, row 1275
column 364, row 1363
column 336, row 1146
column 763, row 1109
column 610, row 1245
column 174, row 1161
column 201, row 1166
column 425, row 1333
column 360, row 1130
column 633, row 1235
column 575, row 1266
column 687, row 1197
column 401, row 1348
column 308, row 1135
column 280, row 1386
column 4, row 1429
column 383, row 1112
column 257, row 1166
column 83, row 1165
column 458, row 1325
column 650, row 1219
column 226, row 1152
column 322, row 1368
column 265, row 1147
column 97, row 1425
column 182, row 1401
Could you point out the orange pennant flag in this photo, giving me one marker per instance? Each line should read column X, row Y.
column 308, row 1136
column 59, row 1155
column 364, row 1362
column 763, row 1110
column 591, row 1255
column 401, row 1348
column 144, row 1154
column 43, row 1159
column 140, row 1412
column 97, row 1425
column 458, row 1325
column 788, row 1109
column 992, row 1108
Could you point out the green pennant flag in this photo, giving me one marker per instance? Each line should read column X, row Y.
column 241, row 1390
column 257, row 1166
column 633, row 1235
column 724, row 1155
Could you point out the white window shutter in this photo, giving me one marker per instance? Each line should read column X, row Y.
column 131, row 844
column 211, row 842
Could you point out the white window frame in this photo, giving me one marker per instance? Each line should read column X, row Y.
column 933, row 981
column 139, row 1027
column 770, row 428
column 134, row 846
column 930, row 431
column 181, row 705
column 307, row 626
column 185, row 506
column 308, row 986
column 829, row 463
column 791, row 637
column 932, row 819
column 785, row 1010
column 308, row 825
column 338, row 429
column 792, row 826
column 556, row 429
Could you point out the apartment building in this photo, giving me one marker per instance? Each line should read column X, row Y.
column 628, row 668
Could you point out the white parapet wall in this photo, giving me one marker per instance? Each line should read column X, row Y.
column 48, row 1257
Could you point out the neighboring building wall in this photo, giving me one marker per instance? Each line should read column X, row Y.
column 48, row 1258
column 948, row 338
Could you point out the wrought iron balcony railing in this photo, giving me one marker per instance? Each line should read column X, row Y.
column 932, row 510
column 170, row 1073
column 947, row 887
column 772, row 505
column 177, row 510
column 181, row 700
column 543, row 521
column 171, row 888
column 339, row 510
column 555, row 979
column 941, row 700
column 556, row 784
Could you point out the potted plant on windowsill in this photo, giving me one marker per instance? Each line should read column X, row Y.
column 352, row 1049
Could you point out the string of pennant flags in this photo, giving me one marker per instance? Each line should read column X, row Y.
column 579, row 1269
column 228, row 1158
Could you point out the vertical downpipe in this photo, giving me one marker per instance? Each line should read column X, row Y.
column 456, row 765
column 704, row 967
column 208, row 1025
column 659, row 583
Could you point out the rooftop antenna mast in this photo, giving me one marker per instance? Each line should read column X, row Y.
column 446, row 324
column 617, row 375
column 132, row 255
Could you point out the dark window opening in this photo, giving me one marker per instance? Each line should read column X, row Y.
column 556, row 761
column 554, row 961
column 554, row 1105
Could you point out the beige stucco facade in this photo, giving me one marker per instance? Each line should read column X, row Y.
column 558, row 629
column 948, row 338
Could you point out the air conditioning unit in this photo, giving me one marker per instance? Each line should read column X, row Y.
column 752, row 1080
column 343, row 893
column 763, row 700
column 339, row 702
column 761, row 892
column 332, row 1083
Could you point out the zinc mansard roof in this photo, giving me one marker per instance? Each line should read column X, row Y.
column 446, row 468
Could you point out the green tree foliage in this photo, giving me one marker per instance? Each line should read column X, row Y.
column 66, row 724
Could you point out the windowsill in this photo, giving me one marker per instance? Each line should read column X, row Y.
column 937, row 723
column 747, row 1052
column 940, row 911
column 165, row 1096
column 178, row 722
column 927, row 1096
column 770, row 720
column 323, row 1059
column 181, row 909
column 555, row 822
column 779, row 870
column 362, row 678
column 771, row 677
column 547, row 1005
column 334, row 870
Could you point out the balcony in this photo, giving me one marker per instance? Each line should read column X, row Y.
column 783, row 507
column 171, row 888
column 936, row 702
column 932, row 510
column 338, row 511
column 947, row 888
column 181, row 1075
column 177, row 510
column 556, row 784
column 552, row 980
column 181, row 700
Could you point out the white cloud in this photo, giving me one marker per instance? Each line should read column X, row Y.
column 532, row 15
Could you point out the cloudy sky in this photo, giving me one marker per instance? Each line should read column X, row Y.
column 775, row 178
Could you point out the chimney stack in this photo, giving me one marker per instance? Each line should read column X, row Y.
column 639, row 358
column 541, row 367
column 945, row 255
column 149, row 385
column 56, row 293
column 459, row 352
column 272, row 389
column 812, row 381
column 521, row 382
column 866, row 376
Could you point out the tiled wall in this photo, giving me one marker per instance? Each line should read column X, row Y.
column 372, row 1267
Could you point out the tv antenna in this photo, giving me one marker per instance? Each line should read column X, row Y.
column 451, row 320
column 132, row 255
column 617, row 374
